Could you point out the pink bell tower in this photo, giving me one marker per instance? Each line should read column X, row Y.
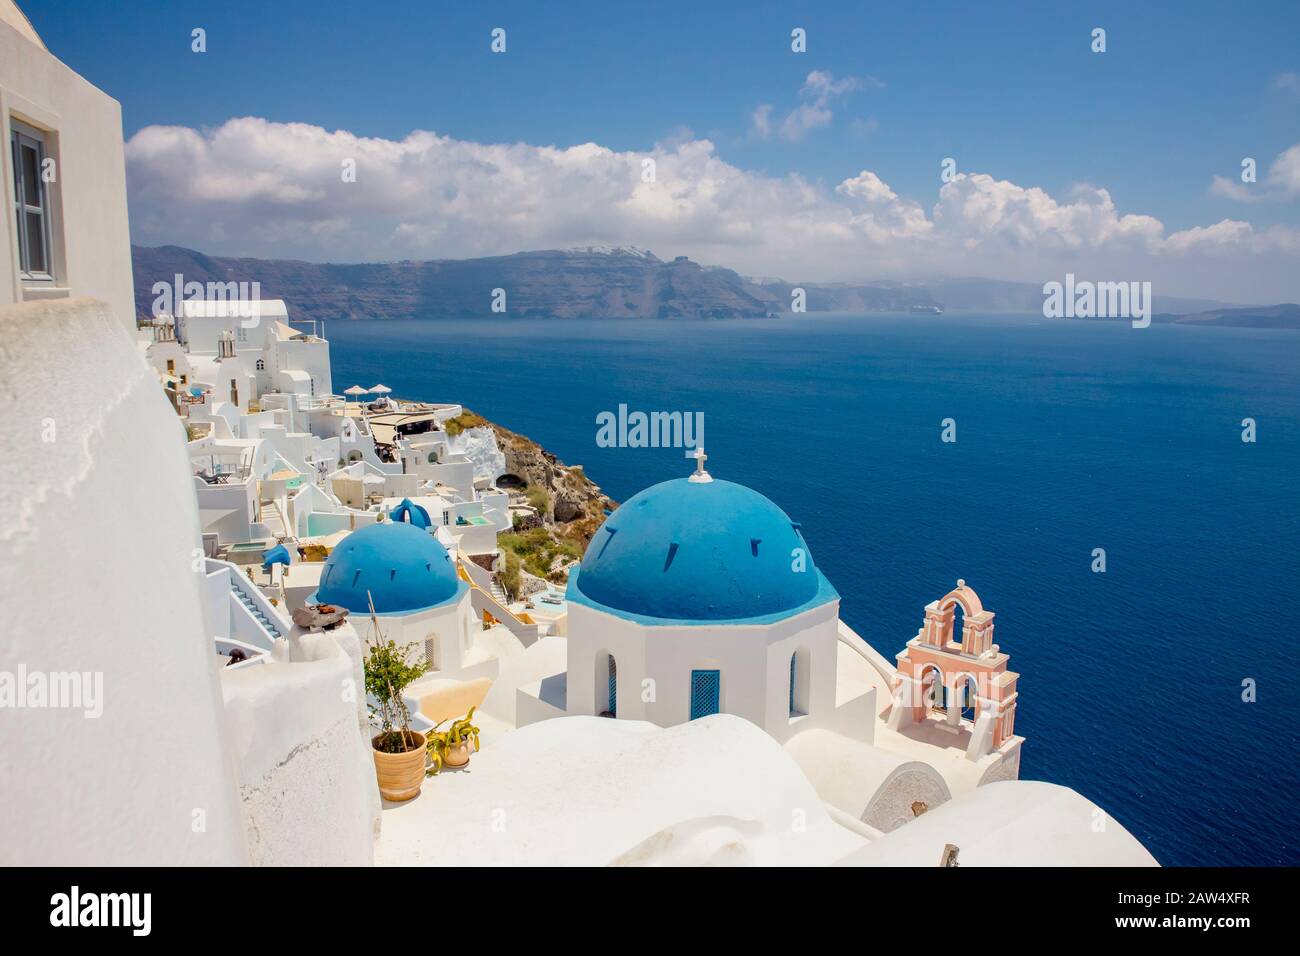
column 959, row 682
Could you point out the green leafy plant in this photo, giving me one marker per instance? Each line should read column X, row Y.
column 388, row 671
column 439, row 742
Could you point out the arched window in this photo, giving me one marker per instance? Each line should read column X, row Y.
column 606, row 685
column 932, row 692
column 967, row 696
column 800, row 682
column 261, row 365
column 958, row 623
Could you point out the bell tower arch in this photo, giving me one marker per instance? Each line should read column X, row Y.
column 979, row 692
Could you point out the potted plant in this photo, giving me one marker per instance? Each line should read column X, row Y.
column 450, row 747
column 399, row 751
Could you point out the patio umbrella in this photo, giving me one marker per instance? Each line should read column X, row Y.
column 356, row 391
column 380, row 389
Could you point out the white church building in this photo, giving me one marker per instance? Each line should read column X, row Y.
column 700, row 596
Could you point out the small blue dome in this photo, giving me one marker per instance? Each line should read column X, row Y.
column 411, row 513
column 699, row 551
column 277, row 555
column 403, row 567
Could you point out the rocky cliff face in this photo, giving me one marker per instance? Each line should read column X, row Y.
column 575, row 504
column 551, row 284
column 568, row 502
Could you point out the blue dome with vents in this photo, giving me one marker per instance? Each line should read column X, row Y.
column 692, row 551
column 401, row 566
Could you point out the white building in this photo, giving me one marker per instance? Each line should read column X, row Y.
column 700, row 597
column 408, row 578
column 239, row 351
column 70, row 237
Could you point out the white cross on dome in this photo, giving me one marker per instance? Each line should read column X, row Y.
column 700, row 457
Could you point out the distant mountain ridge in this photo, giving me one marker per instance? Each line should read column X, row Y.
column 575, row 283
column 1284, row 316
column 590, row 282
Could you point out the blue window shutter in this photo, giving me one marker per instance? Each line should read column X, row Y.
column 613, row 686
column 706, row 689
column 793, row 658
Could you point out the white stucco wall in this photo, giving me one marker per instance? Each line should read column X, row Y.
column 97, row 576
column 448, row 625
column 753, row 660
column 83, row 126
column 306, row 777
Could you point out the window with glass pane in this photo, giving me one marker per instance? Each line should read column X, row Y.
column 31, row 205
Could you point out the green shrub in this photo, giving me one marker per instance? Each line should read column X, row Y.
column 539, row 499
column 466, row 419
column 537, row 549
column 510, row 578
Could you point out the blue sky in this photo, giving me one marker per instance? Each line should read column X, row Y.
column 1183, row 92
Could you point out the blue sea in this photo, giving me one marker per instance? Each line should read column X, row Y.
column 1071, row 436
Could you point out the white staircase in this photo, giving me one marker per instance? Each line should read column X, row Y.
column 273, row 519
column 271, row 627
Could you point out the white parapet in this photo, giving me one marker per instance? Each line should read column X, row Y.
column 101, row 576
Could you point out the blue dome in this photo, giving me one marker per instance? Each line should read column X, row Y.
column 411, row 513
column 698, row 551
column 403, row 567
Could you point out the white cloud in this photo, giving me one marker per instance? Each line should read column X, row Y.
column 1284, row 174
column 1227, row 233
column 814, row 111
column 253, row 187
column 1288, row 82
column 1227, row 188
column 1281, row 183
column 977, row 207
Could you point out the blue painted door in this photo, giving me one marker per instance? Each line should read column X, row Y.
column 613, row 686
column 706, row 689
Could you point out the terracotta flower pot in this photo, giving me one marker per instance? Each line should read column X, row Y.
column 400, row 775
column 456, row 756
